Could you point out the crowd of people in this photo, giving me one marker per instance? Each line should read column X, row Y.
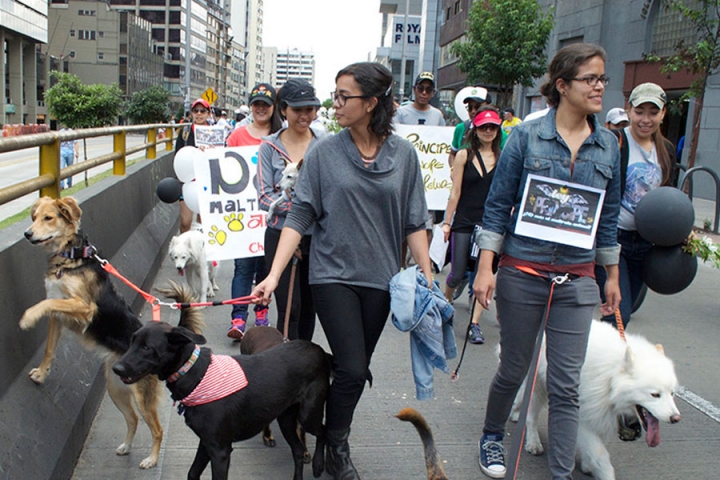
column 359, row 201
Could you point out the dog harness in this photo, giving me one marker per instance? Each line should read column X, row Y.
column 223, row 377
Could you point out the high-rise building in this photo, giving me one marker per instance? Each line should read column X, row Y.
column 23, row 31
column 247, row 24
column 293, row 63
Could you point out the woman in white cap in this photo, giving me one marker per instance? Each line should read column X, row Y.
column 472, row 175
column 647, row 161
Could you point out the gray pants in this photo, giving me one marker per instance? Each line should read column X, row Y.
column 521, row 301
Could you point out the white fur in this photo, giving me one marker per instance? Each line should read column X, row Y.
column 188, row 254
column 615, row 378
column 286, row 184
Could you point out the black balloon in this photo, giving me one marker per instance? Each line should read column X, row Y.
column 169, row 190
column 665, row 216
column 669, row 270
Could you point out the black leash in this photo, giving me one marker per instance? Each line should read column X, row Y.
column 456, row 374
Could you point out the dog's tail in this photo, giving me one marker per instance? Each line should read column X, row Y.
column 190, row 318
column 432, row 458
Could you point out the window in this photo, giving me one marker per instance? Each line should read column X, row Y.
column 86, row 34
column 86, row 13
column 447, row 14
column 101, row 34
column 457, row 7
column 101, row 56
column 72, row 33
column 670, row 30
column 72, row 53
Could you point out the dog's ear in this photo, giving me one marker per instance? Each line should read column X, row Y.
column 628, row 360
column 181, row 336
column 69, row 209
column 660, row 348
column 299, row 164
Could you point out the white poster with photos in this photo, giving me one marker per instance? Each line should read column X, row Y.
column 560, row 212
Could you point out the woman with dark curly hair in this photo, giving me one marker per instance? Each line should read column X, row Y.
column 362, row 190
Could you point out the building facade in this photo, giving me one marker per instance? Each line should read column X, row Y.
column 453, row 19
column 293, row 63
column 23, row 31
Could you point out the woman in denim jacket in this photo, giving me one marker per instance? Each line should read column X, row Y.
column 567, row 144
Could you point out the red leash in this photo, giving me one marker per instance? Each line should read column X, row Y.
column 156, row 304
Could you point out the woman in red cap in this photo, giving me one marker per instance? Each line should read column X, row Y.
column 472, row 175
column 200, row 110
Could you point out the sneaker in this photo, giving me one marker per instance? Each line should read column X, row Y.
column 237, row 329
column 475, row 334
column 461, row 288
column 492, row 455
column 261, row 319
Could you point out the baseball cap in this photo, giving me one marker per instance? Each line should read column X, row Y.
column 262, row 92
column 648, row 92
column 298, row 92
column 477, row 94
column 485, row 117
column 616, row 115
column 202, row 102
column 425, row 76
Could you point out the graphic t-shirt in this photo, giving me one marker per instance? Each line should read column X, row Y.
column 643, row 174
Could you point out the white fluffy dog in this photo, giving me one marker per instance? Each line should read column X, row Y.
column 188, row 253
column 286, row 184
column 618, row 378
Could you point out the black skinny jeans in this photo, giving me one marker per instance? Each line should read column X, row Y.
column 302, row 310
column 353, row 319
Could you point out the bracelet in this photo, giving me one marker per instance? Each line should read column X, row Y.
column 447, row 223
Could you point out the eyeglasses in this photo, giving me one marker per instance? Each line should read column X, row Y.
column 342, row 99
column 426, row 90
column 488, row 127
column 199, row 110
column 592, row 80
column 472, row 106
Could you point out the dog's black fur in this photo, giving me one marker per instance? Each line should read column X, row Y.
column 288, row 382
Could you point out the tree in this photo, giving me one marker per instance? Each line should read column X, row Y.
column 78, row 105
column 151, row 105
column 701, row 59
column 505, row 44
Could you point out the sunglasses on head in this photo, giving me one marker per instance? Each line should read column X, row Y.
column 199, row 110
column 426, row 89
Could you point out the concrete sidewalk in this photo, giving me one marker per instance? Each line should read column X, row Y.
column 382, row 446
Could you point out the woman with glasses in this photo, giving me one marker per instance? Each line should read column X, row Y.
column 362, row 192
column 200, row 111
column 298, row 105
column 472, row 175
column 566, row 149
column 252, row 269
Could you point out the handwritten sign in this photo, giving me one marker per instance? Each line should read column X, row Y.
column 433, row 147
column 233, row 223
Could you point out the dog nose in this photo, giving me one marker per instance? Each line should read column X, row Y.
column 675, row 418
column 28, row 234
column 119, row 370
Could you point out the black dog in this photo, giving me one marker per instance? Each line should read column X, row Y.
column 288, row 382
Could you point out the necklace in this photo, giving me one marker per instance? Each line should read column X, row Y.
column 368, row 158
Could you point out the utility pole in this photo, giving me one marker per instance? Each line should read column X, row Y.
column 403, row 61
column 188, row 37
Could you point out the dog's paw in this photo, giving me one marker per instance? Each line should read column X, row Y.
column 534, row 447
column 28, row 320
column 210, row 293
column 38, row 375
column 215, row 287
column 123, row 449
column 149, row 462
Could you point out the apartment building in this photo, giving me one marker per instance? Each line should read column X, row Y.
column 293, row 63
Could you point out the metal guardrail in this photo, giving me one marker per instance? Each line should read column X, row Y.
column 50, row 174
column 687, row 181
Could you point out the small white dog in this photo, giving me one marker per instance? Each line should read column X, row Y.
column 188, row 253
column 617, row 379
column 286, row 185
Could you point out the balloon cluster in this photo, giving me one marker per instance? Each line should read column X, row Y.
column 170, row 189
column 665, row 217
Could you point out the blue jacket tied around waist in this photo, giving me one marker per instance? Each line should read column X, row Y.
column 428, row 316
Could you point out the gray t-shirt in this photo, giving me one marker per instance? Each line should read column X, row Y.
column 409, row 115
column 361, row 215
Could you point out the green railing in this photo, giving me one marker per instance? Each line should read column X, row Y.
column 50, row 174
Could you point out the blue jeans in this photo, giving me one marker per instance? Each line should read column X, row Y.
column 521, row 300
column 247, row 270
column 66, row 159
column 634, row 250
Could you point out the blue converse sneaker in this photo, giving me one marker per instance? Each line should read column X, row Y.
column 237, row 328
column 492, row 455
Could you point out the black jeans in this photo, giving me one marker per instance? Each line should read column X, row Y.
column 353, row 319
column 302, row 310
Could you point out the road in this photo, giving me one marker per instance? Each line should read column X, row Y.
column 22, row 165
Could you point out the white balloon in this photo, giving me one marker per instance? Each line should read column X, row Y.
column 464, row 93
column 184, row 163
column 190, row 196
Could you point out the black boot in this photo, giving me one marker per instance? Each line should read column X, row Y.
column 337, row 462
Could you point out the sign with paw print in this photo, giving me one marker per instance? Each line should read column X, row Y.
column 233, row 223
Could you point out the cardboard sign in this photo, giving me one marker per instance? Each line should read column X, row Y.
column 233, row 224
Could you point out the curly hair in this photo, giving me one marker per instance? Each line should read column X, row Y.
column 375, row 81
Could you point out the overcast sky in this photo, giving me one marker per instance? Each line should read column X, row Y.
column 338, row 32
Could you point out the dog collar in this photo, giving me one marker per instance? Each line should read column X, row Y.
column 185, row 368
column 78, row 252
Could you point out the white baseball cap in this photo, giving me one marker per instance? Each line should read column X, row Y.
column 616, row 115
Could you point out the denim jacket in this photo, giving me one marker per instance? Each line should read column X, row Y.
column 535, row 147
column 428, row 316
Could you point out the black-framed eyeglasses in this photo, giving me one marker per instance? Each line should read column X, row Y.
column 342, row 99
column 199, row 110
column 592, row 80
column 427, row 89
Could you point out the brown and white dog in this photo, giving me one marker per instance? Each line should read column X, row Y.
column 81, row 298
